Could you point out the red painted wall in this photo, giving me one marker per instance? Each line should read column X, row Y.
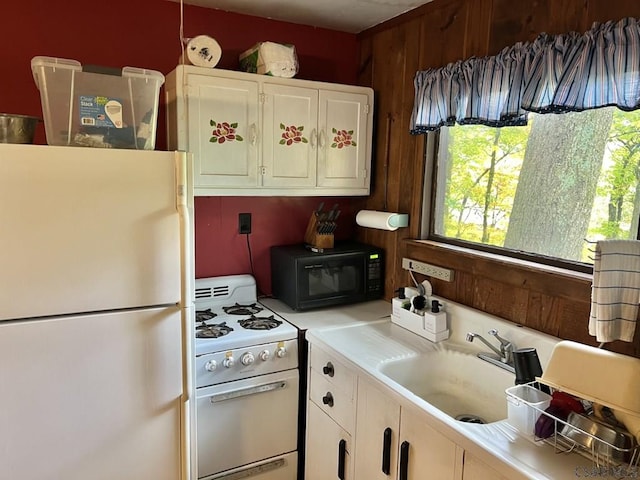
column 145, row 33
column 221, row 250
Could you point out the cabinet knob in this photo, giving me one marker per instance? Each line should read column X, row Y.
column 328, row 369
column 328, row 399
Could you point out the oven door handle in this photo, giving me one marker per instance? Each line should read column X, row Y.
column 243, row 392
column 255, row 471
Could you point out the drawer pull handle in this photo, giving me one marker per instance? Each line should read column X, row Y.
column 328, row 369
column 404, row 461
column 386, row 451
column 328, row 399
column 342, row 453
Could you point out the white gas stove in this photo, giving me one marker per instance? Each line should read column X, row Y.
column 247, row 380
column 237, row 337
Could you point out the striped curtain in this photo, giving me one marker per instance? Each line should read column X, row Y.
column 552, row 74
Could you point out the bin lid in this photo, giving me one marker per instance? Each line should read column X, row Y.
column 40, row 62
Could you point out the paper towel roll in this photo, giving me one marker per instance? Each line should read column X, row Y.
column 382, row 220
column 203, row 51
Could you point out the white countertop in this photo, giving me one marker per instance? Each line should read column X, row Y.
column 364, row 335
column 359, row 313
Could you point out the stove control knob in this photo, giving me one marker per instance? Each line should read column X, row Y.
column 264, row 355
column 228, row 362
column 281, row 352
column 247, row 358
column 211, row 365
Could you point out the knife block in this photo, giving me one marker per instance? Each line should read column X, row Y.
column 315, row 239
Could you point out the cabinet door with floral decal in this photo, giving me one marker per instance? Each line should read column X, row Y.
column 223, row 131
column 343, row 141
column 289, row 143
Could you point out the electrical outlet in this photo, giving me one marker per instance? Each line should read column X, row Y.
column 428, row 269
column 244, row 223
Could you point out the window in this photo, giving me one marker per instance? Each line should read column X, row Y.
column 541, row 191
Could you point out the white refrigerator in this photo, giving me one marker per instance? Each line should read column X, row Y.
column 96, row 299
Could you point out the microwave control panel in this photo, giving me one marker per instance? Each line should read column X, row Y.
column 374, row 273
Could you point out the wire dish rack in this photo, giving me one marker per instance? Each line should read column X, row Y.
column 608, row 458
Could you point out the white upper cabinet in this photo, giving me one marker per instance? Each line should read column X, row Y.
column 289, row 140
column 260, row 135
column 344, row 140
column 223, row 120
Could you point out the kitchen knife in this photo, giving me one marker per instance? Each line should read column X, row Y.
column 333, row 222
column 326, row 228
column 333, row 210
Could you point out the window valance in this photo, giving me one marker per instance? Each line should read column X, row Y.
column 552, row 74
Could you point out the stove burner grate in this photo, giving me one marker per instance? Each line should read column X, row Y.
column 260, row 323
column 212, row 331
column 238, row 309
column 202, row 315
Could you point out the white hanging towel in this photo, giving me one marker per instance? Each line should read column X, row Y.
column 615, row 292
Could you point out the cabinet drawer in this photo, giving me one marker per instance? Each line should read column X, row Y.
column 334, row 372
column 335, row 402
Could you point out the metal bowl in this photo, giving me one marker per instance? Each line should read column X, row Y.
column 17, row 128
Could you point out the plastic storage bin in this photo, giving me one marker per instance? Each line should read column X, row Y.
column 520, row 402
column 97, row 107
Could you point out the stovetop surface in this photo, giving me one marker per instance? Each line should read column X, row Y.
column 228, row 316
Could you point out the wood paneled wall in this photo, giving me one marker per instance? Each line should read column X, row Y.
column 433, row 35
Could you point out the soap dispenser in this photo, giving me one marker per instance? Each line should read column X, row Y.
column 435, row 320
column 400, row 302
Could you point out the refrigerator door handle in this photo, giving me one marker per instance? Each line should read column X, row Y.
column 183, row 193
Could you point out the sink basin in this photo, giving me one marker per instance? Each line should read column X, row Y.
column 457, row 383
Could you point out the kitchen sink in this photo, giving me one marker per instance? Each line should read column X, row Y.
column 456, row 382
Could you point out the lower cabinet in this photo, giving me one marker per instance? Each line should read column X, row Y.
column 329, row 447
column 393, row 442
column 475, row 469
column 330, row 417
column 357, row 430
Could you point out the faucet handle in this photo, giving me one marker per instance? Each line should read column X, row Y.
column 505, row 345
column 493, row 332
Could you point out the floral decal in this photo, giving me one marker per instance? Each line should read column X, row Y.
column 224, row 132
column 291, row 135
column 342, row 138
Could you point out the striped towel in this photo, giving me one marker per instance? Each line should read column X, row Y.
column 615, row 292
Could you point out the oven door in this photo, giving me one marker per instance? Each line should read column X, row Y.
column 245, row 421
column 332, row 280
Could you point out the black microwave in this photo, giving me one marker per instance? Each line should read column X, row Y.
column 348, row 273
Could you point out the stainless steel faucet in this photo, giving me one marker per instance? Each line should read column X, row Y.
column 503, row 356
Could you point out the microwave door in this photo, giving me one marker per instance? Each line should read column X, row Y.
column 331, row 283
column 329, row 280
